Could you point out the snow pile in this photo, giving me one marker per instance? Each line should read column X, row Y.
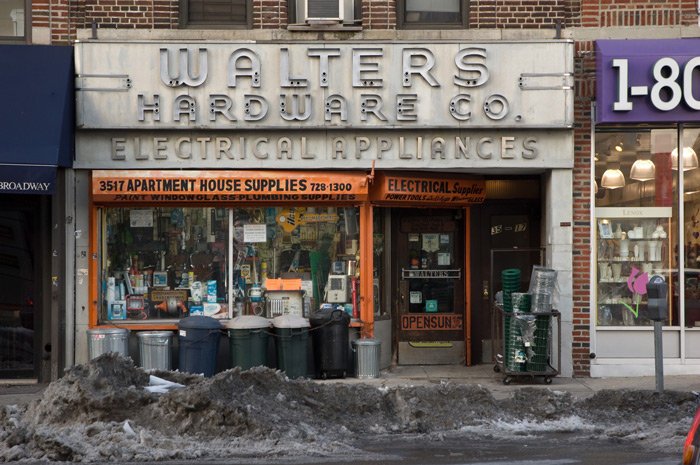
column 103, row 411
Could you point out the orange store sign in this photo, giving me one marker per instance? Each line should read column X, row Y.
column 226, row 186
column 427, row 190
column 431, row 322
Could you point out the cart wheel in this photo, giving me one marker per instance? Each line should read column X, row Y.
column 547, row 380
column 497, row 368
column 324, row 375
column 506, row 380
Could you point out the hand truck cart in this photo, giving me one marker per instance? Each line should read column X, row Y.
column 523, row 344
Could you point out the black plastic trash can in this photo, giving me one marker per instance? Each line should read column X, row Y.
column 247, row 336
column 330, row 340
column 291, row 337
column 198, row 340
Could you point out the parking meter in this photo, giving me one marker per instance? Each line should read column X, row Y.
column 657, row 302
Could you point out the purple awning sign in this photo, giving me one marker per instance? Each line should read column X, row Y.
column 647, row 81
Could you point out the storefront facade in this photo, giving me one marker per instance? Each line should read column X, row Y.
column 384, row 177
column 35, row 160
column 646, row 207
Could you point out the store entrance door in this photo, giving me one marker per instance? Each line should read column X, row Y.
column 429, row 271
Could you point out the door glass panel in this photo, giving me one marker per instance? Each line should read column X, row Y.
column 431, row 275
column 16, row 293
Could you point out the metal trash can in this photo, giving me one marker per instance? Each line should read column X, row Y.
column 330, row 340
column 247, row 337
column 155, row 349
column 104, row 340
column 291, row 337
column 198, row 341
column 366, row 354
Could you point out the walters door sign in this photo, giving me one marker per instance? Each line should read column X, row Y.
column 322, row 85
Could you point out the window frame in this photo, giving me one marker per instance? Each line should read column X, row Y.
column 185, row 24
column 401, row 24
column 27, row 37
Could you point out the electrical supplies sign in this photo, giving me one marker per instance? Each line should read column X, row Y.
column 428, row 190
column 226, row 186
column 431, row 322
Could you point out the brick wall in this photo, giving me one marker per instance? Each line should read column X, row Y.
column 613, row 13
column 517, row 14
column 584, row 78
column 270, row 14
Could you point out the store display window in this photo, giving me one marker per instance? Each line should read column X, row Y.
column 165, row 263
column 636, row 211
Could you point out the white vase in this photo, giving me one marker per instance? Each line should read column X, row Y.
column 624, row 248
column 616, row 270
column 618, row 232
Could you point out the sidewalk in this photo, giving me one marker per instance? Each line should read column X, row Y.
column 23, row 392
column 485, row 376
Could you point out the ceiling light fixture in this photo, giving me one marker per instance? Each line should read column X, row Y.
column 643, row 168
column 613, row 177
column 690, row 159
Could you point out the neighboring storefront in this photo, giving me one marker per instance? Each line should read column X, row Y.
column 36, row 147
column 647, row 210
column 218, row 176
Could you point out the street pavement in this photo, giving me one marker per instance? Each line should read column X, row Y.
column 21, row 392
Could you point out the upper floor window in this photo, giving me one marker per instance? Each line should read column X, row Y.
column 12, row 22
column 432, row 14
column 216, row 13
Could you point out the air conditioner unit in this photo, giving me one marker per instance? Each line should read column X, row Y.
column 324, row 11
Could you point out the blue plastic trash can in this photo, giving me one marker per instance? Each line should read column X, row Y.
column 198, row 340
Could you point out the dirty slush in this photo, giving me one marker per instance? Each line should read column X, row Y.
column 101, row 412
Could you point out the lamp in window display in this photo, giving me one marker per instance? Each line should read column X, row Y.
column 613, row 177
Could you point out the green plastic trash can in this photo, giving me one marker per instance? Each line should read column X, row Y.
column 247, row 338
column 291, row 338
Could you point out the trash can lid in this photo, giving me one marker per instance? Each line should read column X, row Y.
column 199, row 322
column 108, row 331
column 290, row 321
column 366, row 342
column 248, row 322
column 326, row 315
column 149, row 334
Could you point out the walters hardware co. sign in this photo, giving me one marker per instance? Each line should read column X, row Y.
column 281, row 99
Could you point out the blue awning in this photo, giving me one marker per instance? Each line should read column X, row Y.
column 37, row 130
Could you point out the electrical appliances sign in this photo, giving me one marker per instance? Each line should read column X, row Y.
column 648, row 80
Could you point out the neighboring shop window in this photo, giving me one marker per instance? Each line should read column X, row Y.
column 12, row 18
column 168, row 263
column 432, row 14
column 691, row 225
column 216, row 13
column 636, row 192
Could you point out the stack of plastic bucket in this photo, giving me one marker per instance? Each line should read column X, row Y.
column 537, row 362
column 542, row 284
column 510, row 280
column 517, row 348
